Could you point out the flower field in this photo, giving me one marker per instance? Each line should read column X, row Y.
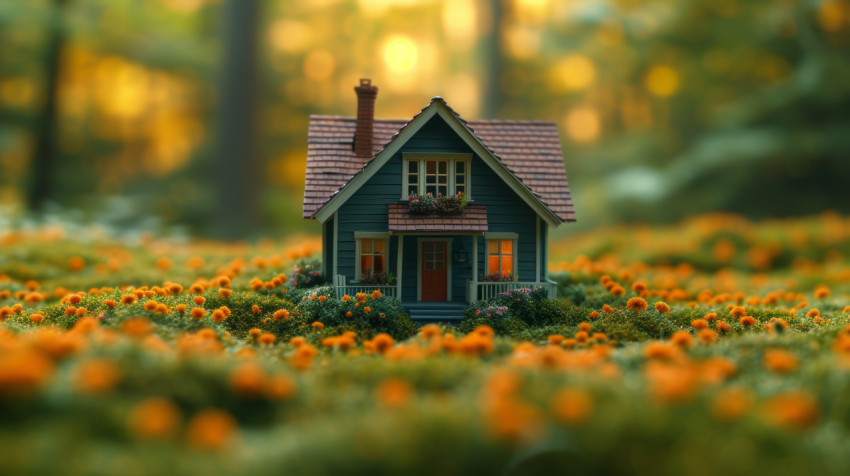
column 714, row 346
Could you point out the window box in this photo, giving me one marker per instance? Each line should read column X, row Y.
column 428, row 205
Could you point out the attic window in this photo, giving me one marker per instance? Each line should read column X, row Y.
column 437, row 174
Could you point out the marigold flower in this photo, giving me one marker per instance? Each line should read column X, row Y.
column 267, row 338
column 722, row 326
column 593, row 315
column 346, row 298
column 813, row 313
column 780, row 361
column 137, row 326
column 297, row 341
column 707, row 335
column 617, row 291
column 150, row 306
column 348, row 314
column 33, row 298
column 572, row 406
column 281, row 387
column 394, row 392
column 699, row 324
column 731, row 404
column 225, row 293
column 254, row 333
column 710, row 316
column 662, row 307
column 584, row 326
column 376, row 294
column 96, row 376
column 75, row 263
column 637, row 304
column 218, row 316
column 555, row 339
column 198, row 313
column 607, row 309
column 247, row 380
column 128, row 299
column 821, row 292
column 681, row 339
column 747, row 321
column 36, row 318
column 317, row 325
column 162, row 309
column 211, row 429
column 737, row 312
column 367, row 309
column 281, row 314
column 196, row 289
column 154, row 418
column 430, row 330
column 794, row 410
column 383, row 342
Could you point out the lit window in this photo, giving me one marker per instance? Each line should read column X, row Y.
column 500, row 257
column 372, row 255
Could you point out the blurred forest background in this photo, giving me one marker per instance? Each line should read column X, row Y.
column 194, row 112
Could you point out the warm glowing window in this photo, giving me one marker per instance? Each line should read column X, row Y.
column 373, row 255
column 500, row 257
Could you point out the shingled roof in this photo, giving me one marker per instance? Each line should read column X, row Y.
column 473, row 219
column 531, row 150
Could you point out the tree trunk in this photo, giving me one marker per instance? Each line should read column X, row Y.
column 43, row 168
column 493, row 53
column 237, row 186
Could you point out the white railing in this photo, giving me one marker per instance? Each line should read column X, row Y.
column 352, row 288
column 489, row 290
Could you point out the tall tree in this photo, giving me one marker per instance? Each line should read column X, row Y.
column 237, row 160
column 44, row 157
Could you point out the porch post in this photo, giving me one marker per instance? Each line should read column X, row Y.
column 537, row 250
column 398, row 265
column 474, row 297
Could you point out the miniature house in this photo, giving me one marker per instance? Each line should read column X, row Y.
column 362, row 171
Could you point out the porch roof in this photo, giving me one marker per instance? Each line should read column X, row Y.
column 473, row 219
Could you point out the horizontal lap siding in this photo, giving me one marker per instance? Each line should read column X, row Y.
column 506, row 213
column 366, row 210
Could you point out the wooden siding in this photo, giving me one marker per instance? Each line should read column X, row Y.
column 366, row 211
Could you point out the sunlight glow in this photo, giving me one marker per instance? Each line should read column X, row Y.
column 400, row 53
column 572, row 73
column 583, row 124
column 662, row 81
column 460, row 21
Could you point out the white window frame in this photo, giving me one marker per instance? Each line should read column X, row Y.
column 452, row 159
column 358, row 235
column 501, row 236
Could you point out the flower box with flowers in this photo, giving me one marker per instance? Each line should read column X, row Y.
column 427, row 204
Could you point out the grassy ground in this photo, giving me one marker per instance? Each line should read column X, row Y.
column 739, row 361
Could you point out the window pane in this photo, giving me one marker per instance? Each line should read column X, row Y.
column 365, row 263
column 431, row 179
column 380, row 246
column 442, row 179
column 432, row 189
column 379, row 264
column 493, row 247
column 460, row 167
column 507, row 264
column 413, row 167
column 493, row 264
column 507, row 247
column 412, row 179
column 443, row 167
column 460, row 189
column 413, row 189
column 430, row 167
column 365, row 245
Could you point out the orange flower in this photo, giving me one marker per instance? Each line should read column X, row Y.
column 738, row 312
column 137, row 326
column 430, row 330
column 555, row 339
column 710, row 316
column 617, row 291
column 593, row 315
column 348, row 314
column 256, row 309
column 218, row 316
column 154, row 418
column 281, row 387
column 639, row 287
column 96, row 376
column 813, row 313
column 607, row 309
column 198, row 313
column 661, row 350
column 794, row 410
column 376, row 294
column 317, row 325
column 637, row 304
column 394, row 392
column 247, row 380
column 150, row 306
column 780, row 361
column 707, row 335
column 681, row 339
column 36, row 318
column 281, row 314
column 75, row 263
column 225, row 293
column 383, row 342
column 211, row 429
column 267, row 339
column 584, row 326
column 731, row 404
column 346, row 298
column 367, row 310
column 748, row 321
column 821, row 292
column 572, row 406
column 699, row 323
column 662, row 307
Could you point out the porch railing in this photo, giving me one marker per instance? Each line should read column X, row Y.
column 353, row 288
column 487, row 290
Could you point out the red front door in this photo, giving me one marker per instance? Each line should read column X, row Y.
column 434, row 273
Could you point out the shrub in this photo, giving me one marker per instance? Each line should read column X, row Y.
column 306, row 275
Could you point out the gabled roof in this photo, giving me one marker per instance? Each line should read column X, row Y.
column 473, row 219
column 527, row 154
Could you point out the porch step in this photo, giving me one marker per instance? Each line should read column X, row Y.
column 435, row 312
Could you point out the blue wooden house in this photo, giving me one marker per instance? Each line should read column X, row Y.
column 361, row 172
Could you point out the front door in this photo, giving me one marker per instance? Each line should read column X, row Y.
column 434, row 272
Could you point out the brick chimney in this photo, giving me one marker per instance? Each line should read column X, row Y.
column 366, row 94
